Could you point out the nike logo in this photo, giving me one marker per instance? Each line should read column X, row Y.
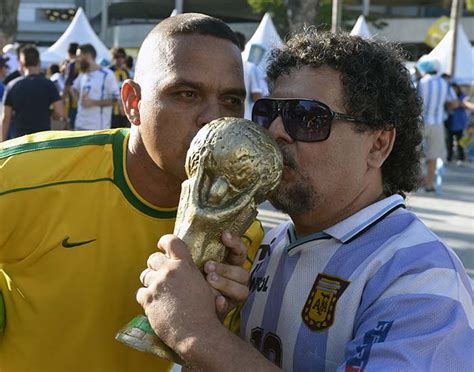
column 67, row 244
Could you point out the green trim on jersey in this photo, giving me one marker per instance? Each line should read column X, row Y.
column 119, row 179
column 96, row 139
column 116, row 139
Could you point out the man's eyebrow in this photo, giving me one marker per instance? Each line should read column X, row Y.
column 182, row 83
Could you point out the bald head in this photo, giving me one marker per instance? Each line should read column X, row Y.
column 157, row 45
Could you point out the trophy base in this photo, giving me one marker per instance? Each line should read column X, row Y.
column 139, row 335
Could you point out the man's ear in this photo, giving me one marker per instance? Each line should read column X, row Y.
column 131, row 96
column 381, row 147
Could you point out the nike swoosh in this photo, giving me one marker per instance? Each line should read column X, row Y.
column 67, row 244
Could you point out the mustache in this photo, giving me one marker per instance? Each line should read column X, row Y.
column 288, row 159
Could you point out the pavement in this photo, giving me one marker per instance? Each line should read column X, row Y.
column 450, row 214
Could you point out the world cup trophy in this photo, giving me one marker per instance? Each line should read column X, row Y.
column 232, row 165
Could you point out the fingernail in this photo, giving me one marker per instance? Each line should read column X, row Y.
column 213, row 277
column 210, row 266
column 227, row 235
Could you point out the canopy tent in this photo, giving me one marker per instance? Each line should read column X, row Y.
column 464, row 71
column 79, row 31
column 262, row 41
column 361, row 29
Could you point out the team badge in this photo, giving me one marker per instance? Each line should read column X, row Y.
column 320, row 307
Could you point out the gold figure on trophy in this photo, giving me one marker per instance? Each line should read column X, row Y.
column 232, row 165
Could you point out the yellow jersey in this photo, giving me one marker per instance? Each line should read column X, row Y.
column 74, row 237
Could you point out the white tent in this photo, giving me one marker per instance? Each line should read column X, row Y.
column 464, row 71
column 361, row 29
column 263, row 40
column 79, row 31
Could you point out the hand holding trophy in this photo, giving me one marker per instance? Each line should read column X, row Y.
column 232, row 165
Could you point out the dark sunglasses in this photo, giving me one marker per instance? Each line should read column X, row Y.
column 304, row 120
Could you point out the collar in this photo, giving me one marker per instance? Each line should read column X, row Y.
column 353, row 226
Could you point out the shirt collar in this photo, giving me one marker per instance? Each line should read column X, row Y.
column 348, row 229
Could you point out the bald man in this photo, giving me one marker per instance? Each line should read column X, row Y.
column 83, row 211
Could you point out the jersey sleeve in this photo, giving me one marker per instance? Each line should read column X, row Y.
column 422, row 322
column 252, row 238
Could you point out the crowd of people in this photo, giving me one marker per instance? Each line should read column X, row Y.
column 354, row 281
column 447, row 113
column 89, row 93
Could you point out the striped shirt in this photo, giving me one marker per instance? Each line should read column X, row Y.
column 435, row 92
column 377, row 291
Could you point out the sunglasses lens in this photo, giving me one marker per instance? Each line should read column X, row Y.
column 263, row 112
column 307, row 121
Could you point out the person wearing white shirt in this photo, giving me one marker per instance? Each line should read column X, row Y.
column 96, row 89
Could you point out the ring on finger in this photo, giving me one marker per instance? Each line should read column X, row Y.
column 143, row 276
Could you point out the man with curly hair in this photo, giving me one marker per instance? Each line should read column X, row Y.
column 354, row 281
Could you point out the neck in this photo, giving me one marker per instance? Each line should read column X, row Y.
column 150, row 181
column 93, row 67
column 34, row 70
column 328, row 213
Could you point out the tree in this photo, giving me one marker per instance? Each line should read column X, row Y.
column 8, row 20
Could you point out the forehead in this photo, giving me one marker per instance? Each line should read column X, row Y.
column 322, row 84
column 201, row 57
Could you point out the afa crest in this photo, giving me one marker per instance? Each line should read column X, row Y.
column 320, row 307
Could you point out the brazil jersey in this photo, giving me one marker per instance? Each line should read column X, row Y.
column 74, row 238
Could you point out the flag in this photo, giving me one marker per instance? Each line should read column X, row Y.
column 437, row 30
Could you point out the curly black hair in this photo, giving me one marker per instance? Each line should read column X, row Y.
column 377, row 89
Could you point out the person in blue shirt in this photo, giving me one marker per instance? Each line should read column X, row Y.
column 457, row 123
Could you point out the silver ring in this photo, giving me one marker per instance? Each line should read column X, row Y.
column 144, row 274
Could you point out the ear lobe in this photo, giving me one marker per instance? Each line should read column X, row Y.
column 131, row 96
column 381, row 147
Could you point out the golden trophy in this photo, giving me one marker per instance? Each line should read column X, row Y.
column 232, row 165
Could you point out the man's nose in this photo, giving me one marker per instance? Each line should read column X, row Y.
column 209, row 112
column 278, row 132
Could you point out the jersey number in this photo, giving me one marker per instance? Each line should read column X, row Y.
column 268, row 344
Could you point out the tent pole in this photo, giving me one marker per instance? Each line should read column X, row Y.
column 365, row 7
column 336, row 15
column 104, row 20
column 456, row 7
column 178, row 5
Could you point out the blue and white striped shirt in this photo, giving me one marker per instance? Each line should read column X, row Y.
column 377, row 291
column 435, row 92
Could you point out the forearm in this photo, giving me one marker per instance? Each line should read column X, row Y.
column 103, row 102
column 219, row 349
column 5, row 128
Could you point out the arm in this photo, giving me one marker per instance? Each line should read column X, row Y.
column 87, row 102
column 176, row 294
column 58, row 110
column 7, row 116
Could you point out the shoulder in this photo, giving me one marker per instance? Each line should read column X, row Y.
column 55, row 157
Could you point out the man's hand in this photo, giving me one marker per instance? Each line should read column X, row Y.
column 177, row 300
column 229, row 279
column 87, row 102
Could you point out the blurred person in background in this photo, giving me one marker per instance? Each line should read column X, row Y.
column 119, row 68
column 436, row 93
column 130, row 66
column 252, row 80
column 12, row 54
column 457, row 123
column 96, row 90
column 70, row 74
column 54, row 74
column 28, row 99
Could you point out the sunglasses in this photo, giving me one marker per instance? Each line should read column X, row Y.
column 304, row 120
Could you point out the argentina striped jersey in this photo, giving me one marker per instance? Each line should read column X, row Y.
column 376, row 292
column 434, row 91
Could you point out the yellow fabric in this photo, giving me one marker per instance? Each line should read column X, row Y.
column 64, row 305
column 436, row 31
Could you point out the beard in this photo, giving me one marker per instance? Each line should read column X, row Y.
column 297, row 197
column 84, row 66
